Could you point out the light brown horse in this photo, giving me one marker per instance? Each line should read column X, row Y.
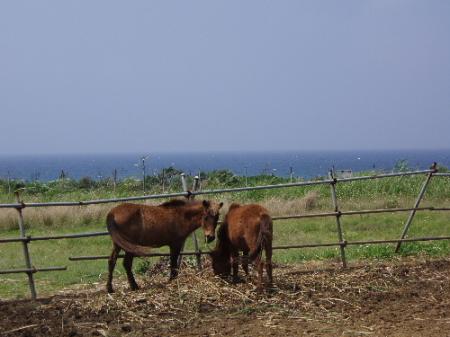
column 247, row 228
column 135, row 228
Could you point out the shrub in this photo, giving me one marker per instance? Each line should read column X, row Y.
column 86, row 183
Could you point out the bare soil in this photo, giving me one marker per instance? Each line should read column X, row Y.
column 398, row 298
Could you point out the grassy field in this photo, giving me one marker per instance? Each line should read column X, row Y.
column 392, row 192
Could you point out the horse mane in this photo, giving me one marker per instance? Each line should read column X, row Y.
column 221, row 254
column 222, row 233
column 223, row 241
column 174, row 203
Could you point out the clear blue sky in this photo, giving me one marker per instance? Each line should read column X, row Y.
column 130, row 76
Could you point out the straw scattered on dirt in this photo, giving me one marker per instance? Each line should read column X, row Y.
column 399, row 298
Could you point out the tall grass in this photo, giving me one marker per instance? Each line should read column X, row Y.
column 406, row 186
column 378, row 193
column 366, row 194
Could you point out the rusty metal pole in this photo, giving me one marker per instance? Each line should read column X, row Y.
column 416, row 204
column 342, row 243
column 26, row 252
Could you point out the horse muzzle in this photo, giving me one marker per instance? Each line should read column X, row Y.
column 209, row 238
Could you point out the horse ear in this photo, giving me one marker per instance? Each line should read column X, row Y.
column 206, row 204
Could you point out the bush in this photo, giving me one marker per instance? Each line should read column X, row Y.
column 86, row 183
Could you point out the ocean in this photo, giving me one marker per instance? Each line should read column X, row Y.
column 306, row 164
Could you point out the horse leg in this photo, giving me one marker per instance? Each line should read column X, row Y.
column 174, row 254
column 268, row 250
column 245, row 261
column 260, row 264
column 128, row 264
column 235, row 264
column 111, row 265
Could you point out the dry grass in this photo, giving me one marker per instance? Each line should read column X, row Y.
column 95, row 214
column 280, row 207
column 55, row 216
column 84, row 215
column 407, row 298
column 62, row 216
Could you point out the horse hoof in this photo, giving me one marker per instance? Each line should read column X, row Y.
column 110, row 290
column 134, row 287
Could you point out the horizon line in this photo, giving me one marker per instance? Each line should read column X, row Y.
column 178, row 152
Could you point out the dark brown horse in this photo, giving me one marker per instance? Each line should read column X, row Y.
column 247, row 228
column 135, row 228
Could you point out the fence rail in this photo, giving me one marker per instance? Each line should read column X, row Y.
column 312, row 245
column 31, row 270
column 337, row 213
column 275, row 218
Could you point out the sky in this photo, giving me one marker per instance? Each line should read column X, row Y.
column 145, row 76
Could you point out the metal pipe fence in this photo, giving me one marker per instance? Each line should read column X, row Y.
column 337, row 213
column 313, row 245
column 275, row 218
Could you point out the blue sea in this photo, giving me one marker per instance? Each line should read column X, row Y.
column 306, row 164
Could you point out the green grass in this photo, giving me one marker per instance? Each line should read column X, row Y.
column 360, row 228
column 379, row 193
column 302, row 231
column 406, row 186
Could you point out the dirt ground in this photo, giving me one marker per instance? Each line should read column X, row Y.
column 408, row 297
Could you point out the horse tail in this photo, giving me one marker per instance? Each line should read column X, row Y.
column 264, row 236
column 121, row 240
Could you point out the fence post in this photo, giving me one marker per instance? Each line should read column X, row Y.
column 163, row 180
column 342, row 243
column 416, row 204
column 114, row 181
column 194, row 235
column 26, row 252
column 195, row 187
column 183, row 182
column 185, row 189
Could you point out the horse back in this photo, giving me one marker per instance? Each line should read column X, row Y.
column 125, row 214
column 245, row 225
column 148, row 226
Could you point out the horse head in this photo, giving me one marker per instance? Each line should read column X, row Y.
column 210, row 218
column 221, row 254
column 220, row 262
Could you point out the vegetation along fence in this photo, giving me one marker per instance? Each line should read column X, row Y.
column 332, row 181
